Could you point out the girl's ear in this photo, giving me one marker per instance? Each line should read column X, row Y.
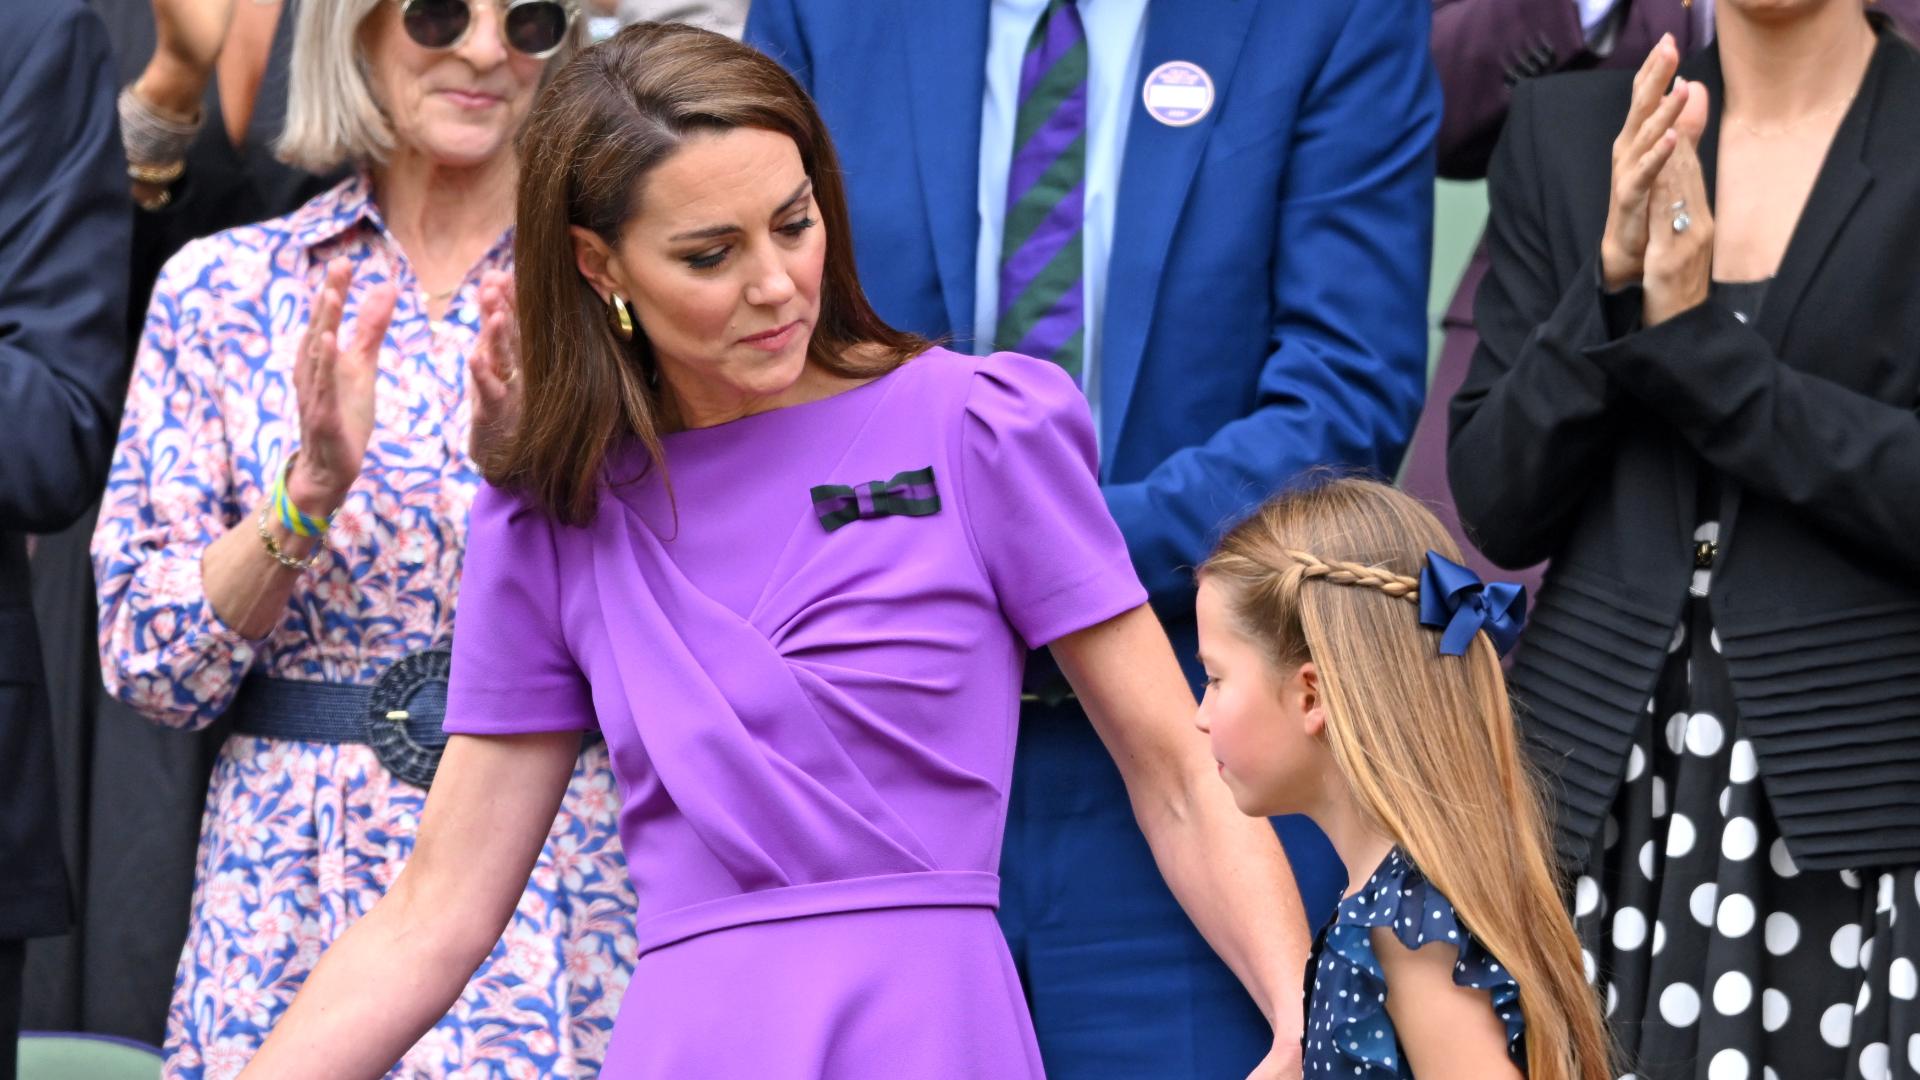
column 596, row 261
column 1313, row 713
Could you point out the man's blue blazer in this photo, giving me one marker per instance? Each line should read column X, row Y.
column 1267, row 290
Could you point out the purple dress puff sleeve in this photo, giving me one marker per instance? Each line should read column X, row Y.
column 513, row 673
column 1030, row 478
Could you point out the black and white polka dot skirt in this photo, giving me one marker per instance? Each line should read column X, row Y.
column 1720, row 959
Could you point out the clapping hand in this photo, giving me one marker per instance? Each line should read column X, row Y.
column 1659, row 228
column 1663, row 110
column 494, row 367
column 1679, row 256
column 335, row 391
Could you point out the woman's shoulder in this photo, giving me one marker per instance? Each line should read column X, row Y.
column 1581, row 98
column 509, row 521
column 1558, row 140
column 1000, row 392
column 1007, row 389
column 1570, row 117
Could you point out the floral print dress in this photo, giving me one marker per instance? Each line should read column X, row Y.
column 299, row 839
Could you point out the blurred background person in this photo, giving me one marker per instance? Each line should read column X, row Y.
column 1696, row 393
column 62, row 366
column 203, row 97
column 205, row 84
column 282, row 535
column 1217, row 215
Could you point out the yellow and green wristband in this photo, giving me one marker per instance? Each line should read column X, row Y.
column 292, row 518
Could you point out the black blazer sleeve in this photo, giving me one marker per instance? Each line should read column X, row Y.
column 1848, row 461
column 1536, row 417
column 65, row 236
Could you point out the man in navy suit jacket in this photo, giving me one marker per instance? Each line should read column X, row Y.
column 65, row 240
column 1260, row 311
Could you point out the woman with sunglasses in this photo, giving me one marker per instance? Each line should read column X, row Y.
column 282, row 536
column 789, row 561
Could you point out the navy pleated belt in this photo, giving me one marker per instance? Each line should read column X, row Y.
column 398, row 715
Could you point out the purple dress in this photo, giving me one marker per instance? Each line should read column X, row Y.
column 809, row 682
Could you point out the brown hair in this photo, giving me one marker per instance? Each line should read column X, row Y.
column 607, row 119
column 1426, row 743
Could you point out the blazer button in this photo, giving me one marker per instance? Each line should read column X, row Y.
column 1703, row 553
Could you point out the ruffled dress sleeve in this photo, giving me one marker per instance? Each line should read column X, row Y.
column 1349, row 1032
column 1035, row 513
column 513, row 671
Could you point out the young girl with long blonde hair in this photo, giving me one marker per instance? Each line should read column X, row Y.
column 1353, row 675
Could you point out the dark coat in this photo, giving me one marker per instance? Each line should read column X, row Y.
column 1578, row 439
column 1482, row 48
column 64, row 241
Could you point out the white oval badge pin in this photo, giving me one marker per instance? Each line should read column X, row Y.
column 1178, row 93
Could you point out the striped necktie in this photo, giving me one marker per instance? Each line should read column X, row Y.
column 1042, row 302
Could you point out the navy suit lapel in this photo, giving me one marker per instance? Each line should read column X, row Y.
column 1154, row 178
column 947, row 81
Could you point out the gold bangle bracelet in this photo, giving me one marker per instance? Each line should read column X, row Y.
column 157, row 174
column 158, row 202
column 281, row 557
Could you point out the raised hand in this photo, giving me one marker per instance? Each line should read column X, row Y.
column 191, row 33
column 494, row 367
column 1645, row 144
column 1679, row 257
column 335, row 391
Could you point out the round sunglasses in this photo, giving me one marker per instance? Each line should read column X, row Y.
column 534, row 28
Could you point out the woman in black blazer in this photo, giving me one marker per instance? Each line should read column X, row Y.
column 1696, row 393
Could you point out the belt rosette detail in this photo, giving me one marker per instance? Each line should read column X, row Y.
column 404, row 713
column 908, row 494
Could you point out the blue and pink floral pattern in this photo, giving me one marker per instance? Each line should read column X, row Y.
column 299, row 839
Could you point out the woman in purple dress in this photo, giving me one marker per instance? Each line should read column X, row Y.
column 789, row 561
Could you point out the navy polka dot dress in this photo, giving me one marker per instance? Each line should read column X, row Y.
column 1348, row 1031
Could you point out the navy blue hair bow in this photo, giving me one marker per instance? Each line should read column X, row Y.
column 1454, row 600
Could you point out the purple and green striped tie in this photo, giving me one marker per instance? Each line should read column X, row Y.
column 1042, row 309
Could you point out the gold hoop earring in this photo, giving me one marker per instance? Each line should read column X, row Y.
column 622, row 316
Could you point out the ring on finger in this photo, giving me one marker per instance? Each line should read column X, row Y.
column 1682, row 222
